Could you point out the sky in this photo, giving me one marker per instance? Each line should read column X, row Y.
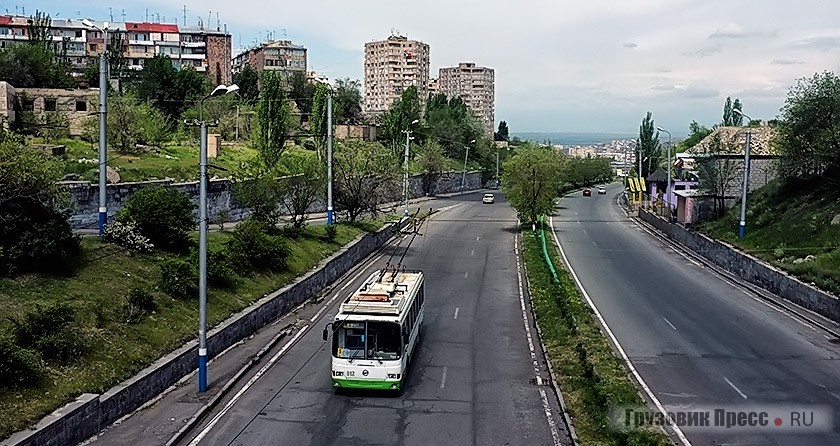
column 560, row 65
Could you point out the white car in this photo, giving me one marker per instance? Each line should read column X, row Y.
column 488, row 199
column 602, row 190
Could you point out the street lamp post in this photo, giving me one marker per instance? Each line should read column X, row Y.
column 742, row 229
column 464, row 173
column 202, row 238
column 329, row 159
column 668, row 186
column 405, row 167
column 103, row 110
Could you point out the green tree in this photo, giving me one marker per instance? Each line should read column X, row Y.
column 727, row 113
column 431, row 159
column 450, row 123
column 274, row 119
column 366, row 174
column 34, row 236
column 809, row 129
column 130, row 122
column 502, row 134
column 164, row 215
column 171, row 91
column 347, row 101
column 696, row 133
column 248, row 81
column 301, row 91
column 737, row 118
column 304, row 188
column 399, row 117
column 318, row 119
column 33, row 66
column 718, row 175
column 651, row 150
column 531, row 180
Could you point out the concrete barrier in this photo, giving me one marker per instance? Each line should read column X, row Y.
column 751, row 269
column 90, row 413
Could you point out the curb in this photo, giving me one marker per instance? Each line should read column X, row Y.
column 207, row 407
column 560, row 400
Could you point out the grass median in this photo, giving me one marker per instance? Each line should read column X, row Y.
column 591, row 377
column 118, row 348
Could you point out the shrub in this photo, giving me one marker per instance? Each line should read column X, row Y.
column 34, row 237
column 220, row 271
column 332, row 232
column 179, row 279
column 50, row 330
column 253, row 248
column 19, row 367
column 127, row 235
column 139, row 302
column 163, row 215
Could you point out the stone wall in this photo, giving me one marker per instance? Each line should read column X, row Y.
column 84, row 208
column 90, row 413
column 751, row 269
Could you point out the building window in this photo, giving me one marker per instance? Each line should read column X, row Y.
column 28, row 105
column 49, row 105
column 93, row 47
column 78, row 33
column 81, row 106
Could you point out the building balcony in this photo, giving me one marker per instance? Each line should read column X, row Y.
column 186, row 44
column 141, row 42
column 200, row 56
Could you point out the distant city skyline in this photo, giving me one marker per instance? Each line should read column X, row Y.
column 595, row 66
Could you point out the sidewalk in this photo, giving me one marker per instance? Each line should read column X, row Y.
column 319, row 218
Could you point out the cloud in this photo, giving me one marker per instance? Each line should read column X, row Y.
column 736, row 31
column 786, row 62
column 662, row 87
column 630, row 45
column 705, row 52
column 821, row 43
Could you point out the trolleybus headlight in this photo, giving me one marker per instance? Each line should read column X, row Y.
column 392, row 376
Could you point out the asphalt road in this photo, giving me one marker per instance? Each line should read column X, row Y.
column 696, row 340
column 473, row 381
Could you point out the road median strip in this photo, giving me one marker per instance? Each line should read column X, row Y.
column 592, row 379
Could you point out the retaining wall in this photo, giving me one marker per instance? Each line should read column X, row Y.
column 84, row 196
column 751, row 269
column 90, row 413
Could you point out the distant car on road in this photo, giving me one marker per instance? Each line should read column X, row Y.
column 587, row 192
column 602, row 190
column 488, row 199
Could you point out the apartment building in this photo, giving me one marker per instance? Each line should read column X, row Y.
column 391, row 66
column 281, row 56
column 476, row 86
column 205, row 50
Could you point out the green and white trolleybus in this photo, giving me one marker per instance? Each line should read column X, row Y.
column 376, row 331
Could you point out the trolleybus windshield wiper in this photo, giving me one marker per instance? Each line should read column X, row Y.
column 353, row 355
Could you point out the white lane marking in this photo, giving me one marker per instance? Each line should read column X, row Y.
column 669, row 322
column 551, row 424
column 245, row 388
column 476, row 239
column 443, row 378
column 578, row 222
column 575, row 213
column 353, row 279
column 472, row 253
column 456, row 312
column 733, row 386
column 594, row 244
column 466, row 274
column 618, row 346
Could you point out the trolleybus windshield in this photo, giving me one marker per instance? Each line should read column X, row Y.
column 367, row 340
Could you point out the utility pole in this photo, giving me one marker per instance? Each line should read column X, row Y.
column 497, row 167
column 103, row 124
column 329, row 160
column 405, row 172
column 742, row 228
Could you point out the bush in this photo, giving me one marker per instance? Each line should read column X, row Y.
column 127, row 235
column 51, row 330
column 34, row 237
column 220, row 273
column 139, row 302
column 254, row 249
column 163, row 215
column 179, row 279
column 332, row 232
column 19, row 367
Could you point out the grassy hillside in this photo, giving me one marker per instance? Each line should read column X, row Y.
column 787, row 224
